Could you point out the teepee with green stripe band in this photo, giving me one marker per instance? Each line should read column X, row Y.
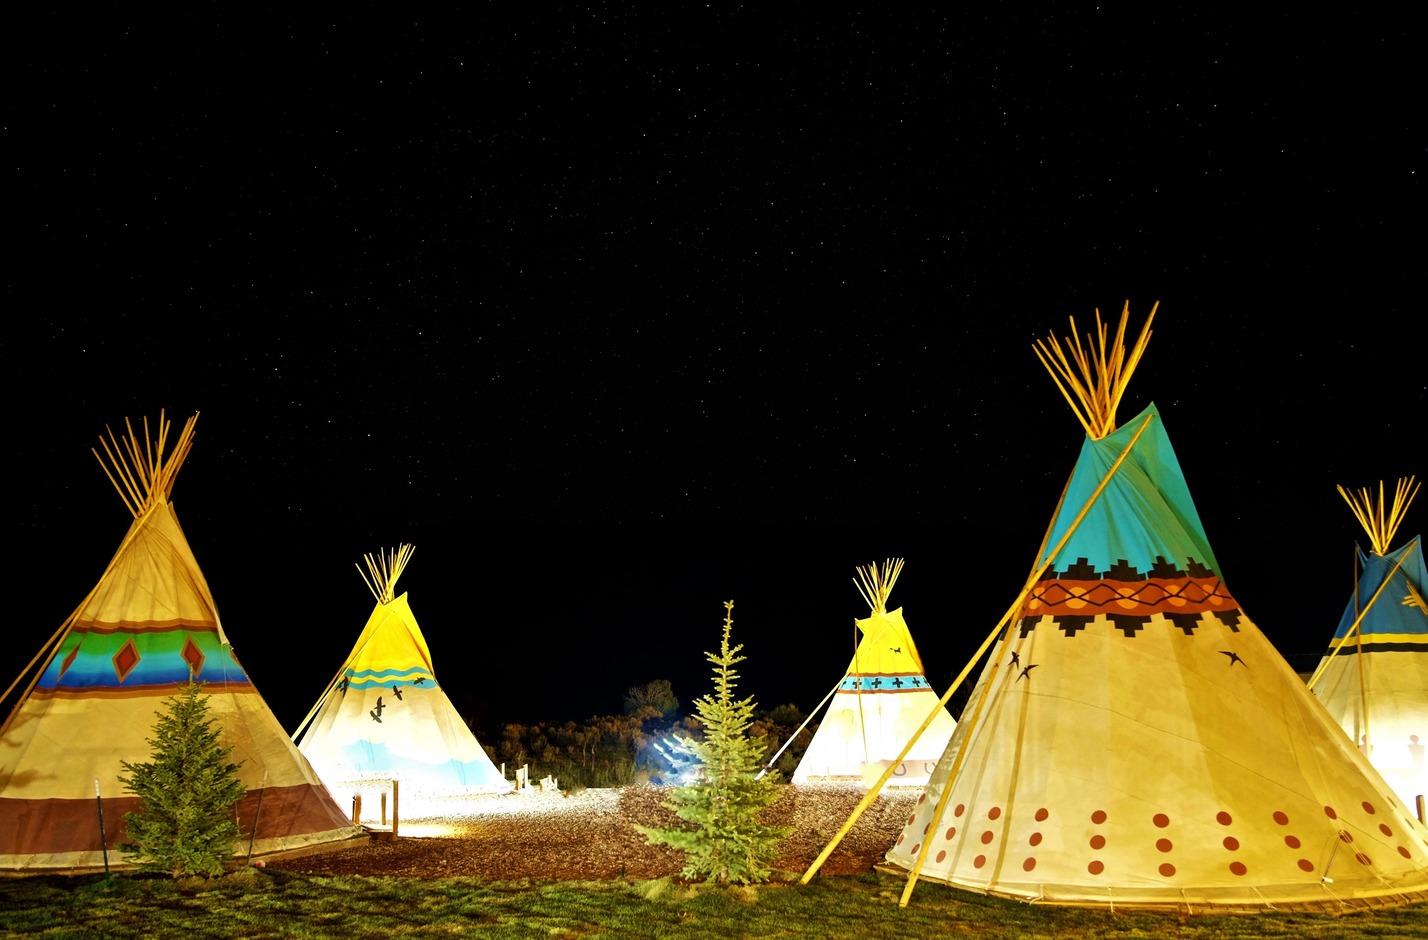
column 147, row 628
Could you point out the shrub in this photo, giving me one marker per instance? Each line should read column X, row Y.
column 187, row 792
column 727, row 843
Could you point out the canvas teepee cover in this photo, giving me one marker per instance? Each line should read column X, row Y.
column 385, row 717
column 880, row 703
column 1134, row 740
column 148, row 628
column 1374, row 679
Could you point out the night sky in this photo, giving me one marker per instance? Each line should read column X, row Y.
column 617, row 315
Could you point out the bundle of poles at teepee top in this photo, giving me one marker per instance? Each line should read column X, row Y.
column 385, row 569
column 1093, row 379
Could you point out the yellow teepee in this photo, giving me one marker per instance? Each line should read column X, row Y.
column 146, row 629
column 385, row 717
column 881, row 701
column 1374, row 678
column 1134, row 740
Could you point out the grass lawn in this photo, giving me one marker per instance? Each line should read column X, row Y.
column 256, row 903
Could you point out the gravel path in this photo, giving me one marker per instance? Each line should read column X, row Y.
column 591, row 835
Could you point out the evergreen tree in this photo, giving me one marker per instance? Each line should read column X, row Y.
column 726, row 843
column 187, row 792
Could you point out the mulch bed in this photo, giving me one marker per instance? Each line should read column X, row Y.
column 591, row 836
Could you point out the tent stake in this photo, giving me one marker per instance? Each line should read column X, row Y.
column 104, row 843
column 252, row 836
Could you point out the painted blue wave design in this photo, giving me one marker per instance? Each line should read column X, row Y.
column 373, row 759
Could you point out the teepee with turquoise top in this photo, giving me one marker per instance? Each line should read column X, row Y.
column 1134, row 740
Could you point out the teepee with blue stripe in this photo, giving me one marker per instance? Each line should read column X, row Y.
column 384, row 717
column 1374, row 677
column 880, row 703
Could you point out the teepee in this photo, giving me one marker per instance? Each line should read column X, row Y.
column 1374, row 678
column 94, row 690
column 879, row 704
column 1134, row 741
column 384, row 716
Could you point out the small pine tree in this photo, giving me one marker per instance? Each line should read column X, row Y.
column 727, row 842
column 187, row 792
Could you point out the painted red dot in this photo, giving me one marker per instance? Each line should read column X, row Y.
column 1232, row 843
column 910, row 819
column 1292, row 841
column 1383, row 828
column 950, row 833
column 961, row 808
column 979, row 861
column 1041, row 814
column 941, row 855
column 927, row 827
column 987, row 837
column 1404, row 852
column 1280, row 818
column 1096, row 868
column 1098, row 842
column 916, row 848
column 922, row 799
column 1035, row 839
column 1238, row 868
column 1163, row 845
column 1161, row 820
column 1305, row 864
column 1363, row 859
column 1329, row 811
column 1223, row 818
column 1345, row 835
column 1098, row 817
column 1368, row 808
column 899, row 840
column 1167, row 869
column 994, row 812
column 1028, row 865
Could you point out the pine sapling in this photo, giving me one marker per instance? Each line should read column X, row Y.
column 726, row 842
column 184, row 825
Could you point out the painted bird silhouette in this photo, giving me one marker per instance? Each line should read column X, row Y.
column 419, row 680
column 376, row 713
column 1234, row 657
column 1026, row 670
column 397, row 690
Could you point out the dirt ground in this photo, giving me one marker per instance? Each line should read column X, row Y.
column 591, row 835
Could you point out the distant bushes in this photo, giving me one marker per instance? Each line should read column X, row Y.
column 618, row 750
